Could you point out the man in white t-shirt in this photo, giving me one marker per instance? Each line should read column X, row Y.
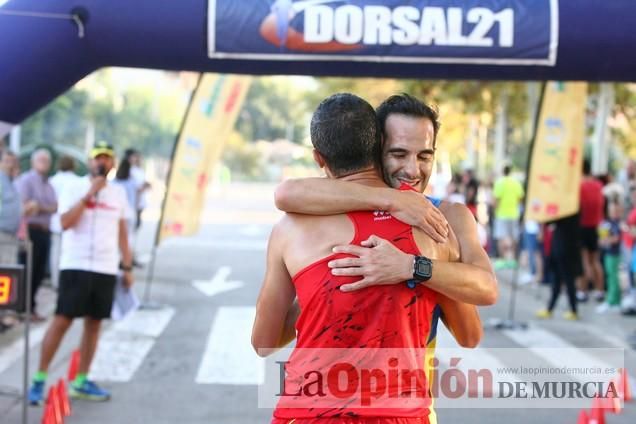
column 92, row 215
column 64, row 178
column 138, row 174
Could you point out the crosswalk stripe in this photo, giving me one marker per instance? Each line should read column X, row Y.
column 474, row 359
column 471, row 359
column 229, row 357
column 541, row 342
column 123, row 347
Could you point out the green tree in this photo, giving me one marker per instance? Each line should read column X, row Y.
column 58, row 122
column 275, row 108
column 135, row 117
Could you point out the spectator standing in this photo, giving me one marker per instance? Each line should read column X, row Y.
column 508, row 193
column 138, row 174
column 565, row 259
column 631, row 244
column 10, row 209
column 532, row 252
column 125, row 180
column 489, row 200
column 64, row 177
column 610, row 241
column 40, row 203
column 627, row 179
column 591, row 212
column 471, row 190
column 95, row 235
column 454, row 190
column 10, row 212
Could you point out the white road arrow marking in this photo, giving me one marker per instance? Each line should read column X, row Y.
column 218, row 283
column 125, row 345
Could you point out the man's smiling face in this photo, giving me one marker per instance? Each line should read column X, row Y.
column 409, row 151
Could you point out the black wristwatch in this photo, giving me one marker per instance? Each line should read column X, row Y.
column 125, row 268
column 422, row 271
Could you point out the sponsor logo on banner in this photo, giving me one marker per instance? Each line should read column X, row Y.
column 470, row 31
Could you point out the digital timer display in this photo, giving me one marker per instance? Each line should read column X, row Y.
column 12, row 290
column 6, row 292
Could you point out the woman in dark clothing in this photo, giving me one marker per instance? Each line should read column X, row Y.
column 565, row 255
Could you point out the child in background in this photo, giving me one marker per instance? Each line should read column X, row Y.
column 610, row 242
column 532, row 254
column 631, row 244
column 628, row 305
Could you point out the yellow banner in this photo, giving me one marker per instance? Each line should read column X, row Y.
column 210, row 119
column 556, row 161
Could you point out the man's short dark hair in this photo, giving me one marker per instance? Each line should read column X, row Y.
column 130, row 152
column 66, row 163
column 405, row 104
column 344, row 130
column 506, row 170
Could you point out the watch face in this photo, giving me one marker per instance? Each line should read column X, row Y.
column 424, row 268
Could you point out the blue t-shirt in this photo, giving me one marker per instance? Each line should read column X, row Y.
column 435, row 201
column 610, row 228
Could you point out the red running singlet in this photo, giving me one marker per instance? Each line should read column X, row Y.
column 359, row 324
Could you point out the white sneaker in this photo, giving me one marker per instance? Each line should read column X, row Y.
column 526, row 278
column 599, row 295
column 581, row 296
column 602, row 308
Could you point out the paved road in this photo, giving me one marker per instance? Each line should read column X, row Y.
column 191, row 362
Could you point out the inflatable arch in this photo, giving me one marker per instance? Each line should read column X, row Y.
column 45, row 47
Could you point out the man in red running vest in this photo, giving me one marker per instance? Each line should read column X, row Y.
column 409, row 129
column 345, row 136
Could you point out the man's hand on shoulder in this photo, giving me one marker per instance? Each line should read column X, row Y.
column 378, row 261
column 416, row 210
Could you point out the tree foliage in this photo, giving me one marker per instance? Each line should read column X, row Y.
column 275, row 108
column 461, row 104
column 136, row 117
column 147, row 116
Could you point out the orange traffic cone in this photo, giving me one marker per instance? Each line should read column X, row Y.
column 616, row 405
column 597, row 414
column 53, row 402
column 73, row 367
column 624, row 388
column 62, row 394
column 49, row 416
column 583, row 418
column 613, row 404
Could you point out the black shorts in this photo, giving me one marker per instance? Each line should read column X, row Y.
column 589, row 238
column 85, row 293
